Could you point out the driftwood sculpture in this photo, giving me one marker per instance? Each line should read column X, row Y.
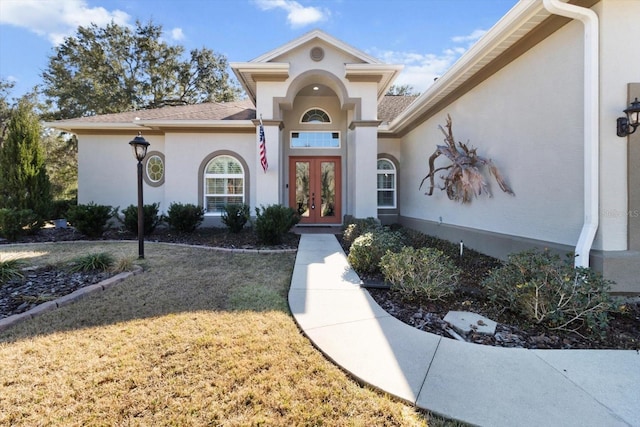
column 464, row 180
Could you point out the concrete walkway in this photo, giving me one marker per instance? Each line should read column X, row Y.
column 483, row 385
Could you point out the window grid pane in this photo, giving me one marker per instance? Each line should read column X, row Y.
column 224, row 184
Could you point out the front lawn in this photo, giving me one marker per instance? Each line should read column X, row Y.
column 200, row 338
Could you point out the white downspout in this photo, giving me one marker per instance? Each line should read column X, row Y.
column 591, row 122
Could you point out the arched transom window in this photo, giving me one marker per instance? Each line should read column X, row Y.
column 223, row 183
column 315, row 115
column 386, row 184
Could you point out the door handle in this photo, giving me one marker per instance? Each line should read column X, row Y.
column 313, row 200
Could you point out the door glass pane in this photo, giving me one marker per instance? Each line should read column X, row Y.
column 302, row 188
column 328, row 182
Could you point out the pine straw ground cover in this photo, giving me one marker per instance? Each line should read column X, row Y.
column 200, row 338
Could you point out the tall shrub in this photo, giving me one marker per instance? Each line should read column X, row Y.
column 24, row 183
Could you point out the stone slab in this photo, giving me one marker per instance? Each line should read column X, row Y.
column 465, row 321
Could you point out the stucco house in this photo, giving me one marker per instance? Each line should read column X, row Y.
column 539, row 94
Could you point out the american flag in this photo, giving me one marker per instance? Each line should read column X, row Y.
column 263, row 149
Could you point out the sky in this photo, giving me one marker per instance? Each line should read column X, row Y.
column 426, row 36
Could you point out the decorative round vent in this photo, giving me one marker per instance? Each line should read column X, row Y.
column 317, row 53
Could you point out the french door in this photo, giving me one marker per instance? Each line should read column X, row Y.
column 314, row 189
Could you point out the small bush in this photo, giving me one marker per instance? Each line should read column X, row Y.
column 273, row 222
column 184, row 217
column 61, row 207
column 547, row 290
column 424, row 272
column 10, row 268
column 101, row 261
column 367, row 250
column 357, row 227
column 122, row 264
column 235, row 216
column 91, row 219
column 151, row 218
column 17, row 222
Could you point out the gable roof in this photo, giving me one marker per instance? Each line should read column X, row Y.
column 316, row 35
column 267, row 67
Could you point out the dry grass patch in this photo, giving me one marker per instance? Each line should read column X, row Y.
column 201, row 338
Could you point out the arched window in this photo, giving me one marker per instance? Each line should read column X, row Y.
column 315, row 115
column 386, row 184
column 223, row 183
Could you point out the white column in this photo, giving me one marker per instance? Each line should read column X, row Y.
column 268, row 183
column 364, row 197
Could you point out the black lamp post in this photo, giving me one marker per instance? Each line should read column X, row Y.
column 140, row 145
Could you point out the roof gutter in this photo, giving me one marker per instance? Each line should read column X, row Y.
column 591, row 122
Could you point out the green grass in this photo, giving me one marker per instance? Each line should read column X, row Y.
column 200, row 338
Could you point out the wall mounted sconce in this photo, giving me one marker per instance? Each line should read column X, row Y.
column 628, row 125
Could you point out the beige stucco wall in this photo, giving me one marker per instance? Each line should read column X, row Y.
column 107, row 172
column 185, row 153
column 619, row 65
column 527, row 118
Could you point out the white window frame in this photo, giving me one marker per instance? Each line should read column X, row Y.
column 394, row 190
column 314, row 148
column 206, row 176
column 315, row 123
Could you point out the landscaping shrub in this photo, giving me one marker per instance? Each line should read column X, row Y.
column 235, row 216
column 151, row 218
column 547, row 290
column 101, row 261
column 355, row 228
column 273, row 222
column 17, row 222
column 90, row 219
column 10, row 268
column 424, row 272
column 184, row 217
column 60, row 208
column 367, row 250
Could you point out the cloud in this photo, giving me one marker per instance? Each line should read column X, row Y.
column 420, row 70
column 56, row 19
column 471, row 38
column 177, row 34
column 297, row 15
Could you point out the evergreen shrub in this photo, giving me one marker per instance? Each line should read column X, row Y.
column 424, row 272
column 184, row 218
column 548, row 290
column 273, row 222
column 90, row 219
column 356, row 227
column 367, row 250
column 235, row 216
column 17, row 222
column 151, row 218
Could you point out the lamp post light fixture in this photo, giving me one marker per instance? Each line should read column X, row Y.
column 140, row 145
column 628, row 125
